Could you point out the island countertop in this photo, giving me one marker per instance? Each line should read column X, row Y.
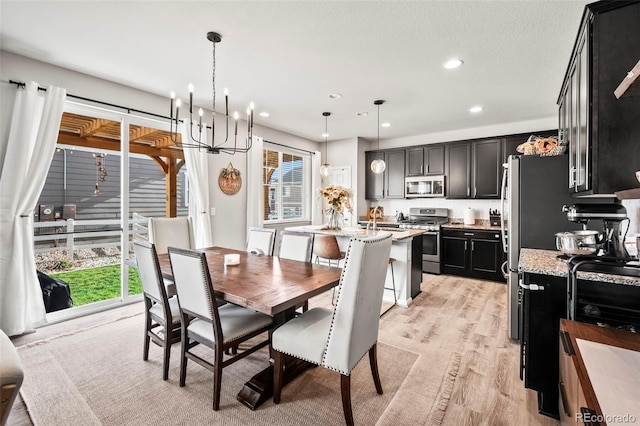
column 396, row 235
column 544, row 262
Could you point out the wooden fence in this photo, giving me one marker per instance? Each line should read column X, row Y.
column 70, row 235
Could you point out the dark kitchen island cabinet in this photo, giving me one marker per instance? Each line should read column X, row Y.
column 472, row 253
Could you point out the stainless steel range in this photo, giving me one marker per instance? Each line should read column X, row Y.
column 430, row 220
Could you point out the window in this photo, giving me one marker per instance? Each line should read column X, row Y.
column 286, row 179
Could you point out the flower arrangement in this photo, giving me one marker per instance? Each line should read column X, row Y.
column 339, row 199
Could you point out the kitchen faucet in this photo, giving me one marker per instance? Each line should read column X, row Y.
column 375, row 214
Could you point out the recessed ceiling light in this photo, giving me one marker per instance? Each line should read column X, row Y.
column 387, row 124
column 325, row 135
column 362, row 113
column 335, row 95
column 453, row 63
column 264, row 114
column 477, row 108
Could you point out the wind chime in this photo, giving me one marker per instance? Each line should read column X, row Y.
column 101, row 171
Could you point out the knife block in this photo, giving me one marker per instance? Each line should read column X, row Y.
column 494, row 219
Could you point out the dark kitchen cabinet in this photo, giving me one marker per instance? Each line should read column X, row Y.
column 474, row 169
column 487, row 168
column 601, row 130
column 425, row 160
column 543, row 303
column 472, row 253
column 390, row 183
column 458, row 178
column 374, row 183
column 394, row 174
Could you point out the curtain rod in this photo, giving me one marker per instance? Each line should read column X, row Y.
column 290, row 147
column 129, row 110
column 44, row 89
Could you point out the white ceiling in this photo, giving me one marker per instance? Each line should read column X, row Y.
column 288, row 56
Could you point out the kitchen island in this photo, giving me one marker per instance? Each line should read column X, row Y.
column 406, row 249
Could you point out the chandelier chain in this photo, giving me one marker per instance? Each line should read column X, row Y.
column 213, row 80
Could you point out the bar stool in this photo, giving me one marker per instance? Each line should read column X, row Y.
column 393, row 281
column 326, row 247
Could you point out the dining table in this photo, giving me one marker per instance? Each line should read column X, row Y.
column 269, row 285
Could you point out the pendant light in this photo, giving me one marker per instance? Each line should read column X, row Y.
column 378, row 165
column 325, row 169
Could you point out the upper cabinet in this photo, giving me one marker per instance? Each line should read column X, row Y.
column 602, row 131
column 390, row 183
column 458, row 180
column 374, row 183
column 425, row 160
column 474, row 169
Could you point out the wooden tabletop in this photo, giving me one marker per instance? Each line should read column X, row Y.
column 266, row 284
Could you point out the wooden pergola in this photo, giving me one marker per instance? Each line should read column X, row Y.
column 96, row 133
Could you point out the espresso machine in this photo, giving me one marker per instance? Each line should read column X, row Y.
column 612, row 215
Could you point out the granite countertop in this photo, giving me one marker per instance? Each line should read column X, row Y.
column 545, row 262
column 480, row 224
column 396, row 235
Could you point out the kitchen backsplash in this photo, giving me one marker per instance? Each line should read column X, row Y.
column 456, row 207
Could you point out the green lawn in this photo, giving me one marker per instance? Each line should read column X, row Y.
column 96, row 284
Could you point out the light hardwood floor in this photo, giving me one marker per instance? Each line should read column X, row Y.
column 457, row 314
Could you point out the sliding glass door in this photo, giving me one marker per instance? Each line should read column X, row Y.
column 100, row 191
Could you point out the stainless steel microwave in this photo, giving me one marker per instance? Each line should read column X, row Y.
column 424, row 186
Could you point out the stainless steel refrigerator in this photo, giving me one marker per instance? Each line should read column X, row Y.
column 534, row 189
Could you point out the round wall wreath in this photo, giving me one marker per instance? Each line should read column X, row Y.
column 229, row 180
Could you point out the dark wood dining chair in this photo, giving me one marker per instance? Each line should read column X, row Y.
column 339, row 338
column 296, row 246
column 162, row 314
column 204, row 322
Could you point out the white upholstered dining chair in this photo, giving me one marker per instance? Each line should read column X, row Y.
column 162, row 314
column 167, row 232
column 339, row 338
column 204, row 322
column 296, row 246
column 261, row 241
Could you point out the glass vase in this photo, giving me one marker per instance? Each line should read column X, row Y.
column 334, row 219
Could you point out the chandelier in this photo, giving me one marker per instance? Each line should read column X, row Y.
column 325, row 169
column 378, row 165
column 197, row 129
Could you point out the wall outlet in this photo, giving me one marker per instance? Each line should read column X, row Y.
column 213, row 211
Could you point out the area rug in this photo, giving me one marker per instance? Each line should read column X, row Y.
column 96, row 376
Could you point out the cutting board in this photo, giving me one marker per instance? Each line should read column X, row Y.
column 379, row 213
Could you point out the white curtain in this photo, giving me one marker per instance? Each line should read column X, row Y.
column 255, row 201
column 27, row 155
column 316, row 184
column 197, row 163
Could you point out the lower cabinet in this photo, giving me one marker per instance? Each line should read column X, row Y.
column 472, row 253
column 572, row 401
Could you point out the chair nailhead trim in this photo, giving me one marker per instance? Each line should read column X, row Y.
column 333, row 316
